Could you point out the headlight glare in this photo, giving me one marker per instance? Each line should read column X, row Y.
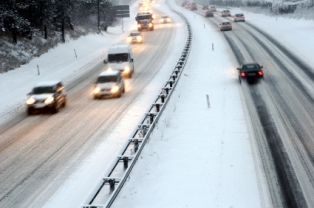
column 114, row 89
column 30, row 101
column 126, row 69
column 49, row 100
column 96, row 90
column 139, row 38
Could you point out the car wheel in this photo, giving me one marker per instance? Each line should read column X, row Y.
column 64, row 103
column 30, row 111
column 240, row 80
column 130, row 75
column 55, row 109
column 119, row 94
column 123, row 90
column 96, row 97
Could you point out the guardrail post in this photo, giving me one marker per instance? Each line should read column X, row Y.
column 157, row 107
column 112, row 183
column 170, row 83
column 167, row 90
column 162, row 97
column 174, row 78
column 135, row 145
column 151, row 118
column 126, row 162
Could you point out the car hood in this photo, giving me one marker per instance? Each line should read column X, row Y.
column 117, row 66
column 41, row 96
column 107, row 85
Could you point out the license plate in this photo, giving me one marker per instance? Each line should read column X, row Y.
column 39, row 105
column 251, row 74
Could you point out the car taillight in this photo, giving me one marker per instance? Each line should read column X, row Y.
column 242, row 74
column 260, row 73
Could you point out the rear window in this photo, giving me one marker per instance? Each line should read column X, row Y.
column 105, row 79
column 250, row 67
column 226, row 23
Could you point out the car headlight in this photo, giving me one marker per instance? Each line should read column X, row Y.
column 96, row 90
column 168, row 20
column 150, row 24
column 139, row 38
column 30, row 101
column 127, row 69
column 129, row 39
column 49, row 100
column 139, row 25
column 109, row 69
column 114, row 89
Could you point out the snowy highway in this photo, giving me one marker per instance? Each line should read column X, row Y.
column 38, row 148
column 253, row 146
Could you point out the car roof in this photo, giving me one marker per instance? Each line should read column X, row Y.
column 121, row 48
column 47, row 83
column 109, row 73
column 250, row 63
column 143, row 13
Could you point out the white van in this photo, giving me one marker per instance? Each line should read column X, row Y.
column 120, row 58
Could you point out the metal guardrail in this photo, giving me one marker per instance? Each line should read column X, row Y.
column 133, row 147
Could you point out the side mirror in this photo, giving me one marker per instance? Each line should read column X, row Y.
column 261, row 67
column 30, row 93
column 238, row 69
column 105, row 61
column 136, row 18
column 131, row 60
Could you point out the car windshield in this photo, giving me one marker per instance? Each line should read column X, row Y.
column 239, row 15
column 164, row 17
column 144, row 17
column 249, row 67
column 226, row 11
column 104, row 79
column 120, row 57
column 226, row 23
column 43, row 89
column 134, row 34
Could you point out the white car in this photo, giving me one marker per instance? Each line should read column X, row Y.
column 135, row 37
column 239, row 17
column 109, row 84
column 165, row 19
column 49, row 95
column 213, row 8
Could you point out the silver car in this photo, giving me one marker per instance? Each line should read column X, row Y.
column 49, row 95
column 239, row 17
column 109, row 84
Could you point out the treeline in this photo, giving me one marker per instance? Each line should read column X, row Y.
column 276, row 8
column 50, row 17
